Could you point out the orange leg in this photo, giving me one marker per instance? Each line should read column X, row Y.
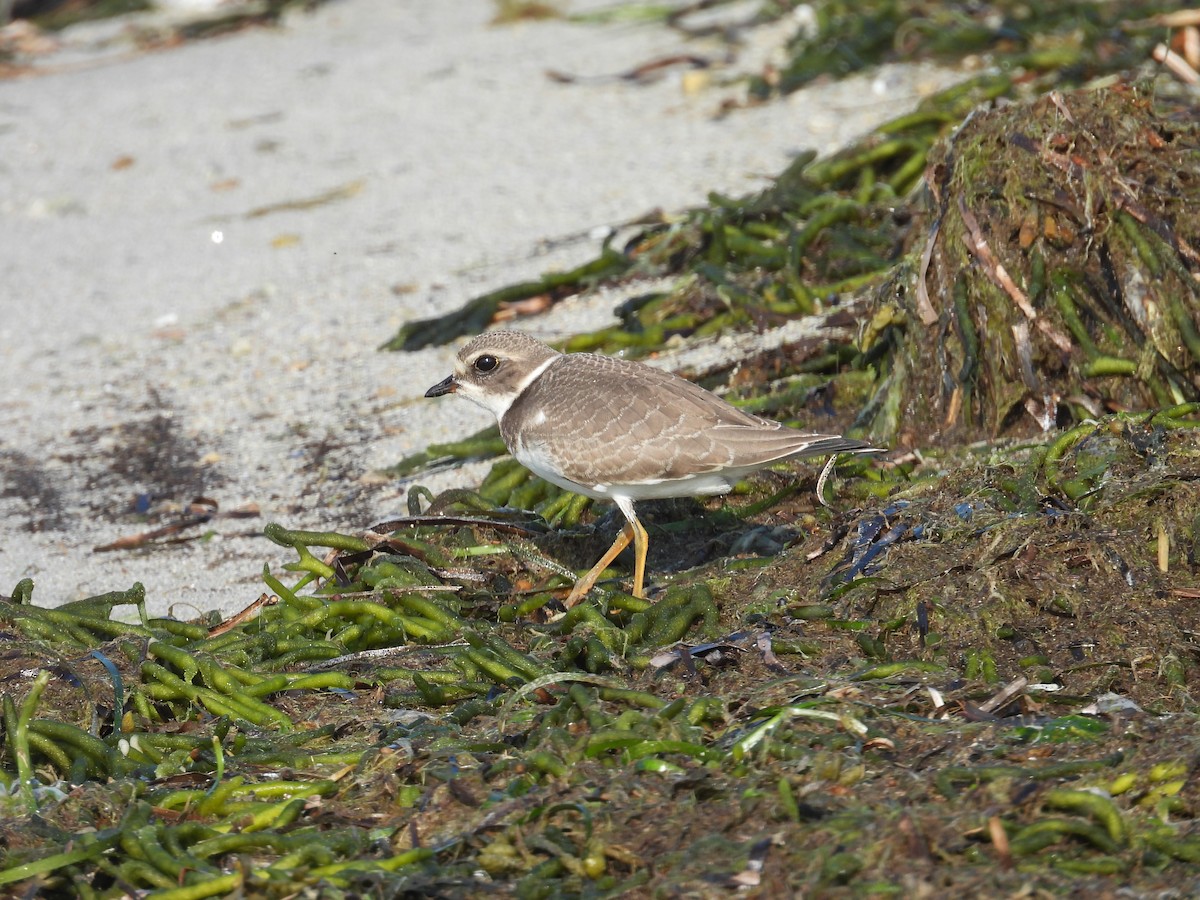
column 584, row 584
column 641, row 543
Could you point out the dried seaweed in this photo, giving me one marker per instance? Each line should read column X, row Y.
column 1074, row 41
column 1060, row 273
column 407, row 709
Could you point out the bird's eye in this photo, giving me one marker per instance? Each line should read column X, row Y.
column 485, row 363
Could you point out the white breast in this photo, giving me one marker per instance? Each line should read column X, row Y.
column 534, row 458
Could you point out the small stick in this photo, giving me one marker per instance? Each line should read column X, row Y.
column 1005, row 694
column 979, row 248
column 250, row 612
column 1177, row 64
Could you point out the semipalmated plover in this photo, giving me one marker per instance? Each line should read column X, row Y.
column 618, row 430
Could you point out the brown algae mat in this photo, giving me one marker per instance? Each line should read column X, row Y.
column 978, row 683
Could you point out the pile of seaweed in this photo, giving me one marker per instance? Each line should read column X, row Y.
column 986, row 681
column 977, row 672
column 1072, row 42
column 1057, row 279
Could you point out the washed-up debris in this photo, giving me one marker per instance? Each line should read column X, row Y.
column 200, row 511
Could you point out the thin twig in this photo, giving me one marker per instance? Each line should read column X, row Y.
column 1177, row 64
column 250, row 612
column 999, row 276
